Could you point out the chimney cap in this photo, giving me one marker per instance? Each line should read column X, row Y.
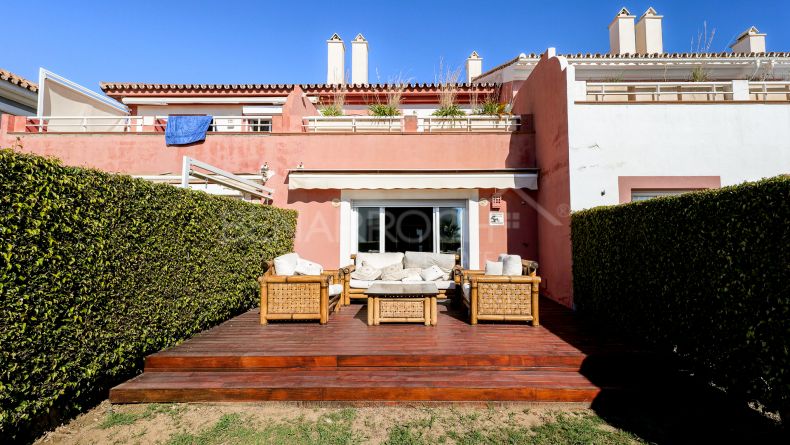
column 651, row 13
column 360, row 39
column 474, row 55
column 753, row 31
column 624, row 13
column 335, row 38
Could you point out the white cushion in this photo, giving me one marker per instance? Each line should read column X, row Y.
column 494, row 267
column 422, row 260
column 364, row 284
column 412, row 277
column 286, row 264
column 366, row 272
column 445, row 284
column 392, row 272
column 304, row 267
column 467, row 291
column 379, row 260
column 432, row 273
column 361, row 284
column 335, row 289
column 511, row 265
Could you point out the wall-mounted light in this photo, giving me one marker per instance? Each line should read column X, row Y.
column 496, row 201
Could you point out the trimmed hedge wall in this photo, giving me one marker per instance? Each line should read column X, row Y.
column 705, row 275
column 98, row 270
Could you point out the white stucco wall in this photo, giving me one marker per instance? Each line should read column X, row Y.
column 738, row 142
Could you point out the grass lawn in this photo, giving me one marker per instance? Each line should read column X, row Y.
column 291, row 424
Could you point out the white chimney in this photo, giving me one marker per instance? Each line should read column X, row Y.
column 750, row 41
column 621, row 33
column 649, row 36
column 359, row 60
column 474, row 66
column 336, row 58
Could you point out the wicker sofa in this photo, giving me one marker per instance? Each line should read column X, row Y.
column 447, row 288
column 299, row 297
column 502, row 297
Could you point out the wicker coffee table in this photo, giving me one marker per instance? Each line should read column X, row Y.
column 410, row 303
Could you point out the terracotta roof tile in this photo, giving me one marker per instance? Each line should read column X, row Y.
column 666, row 56
column 162, row 87
column 20, row 81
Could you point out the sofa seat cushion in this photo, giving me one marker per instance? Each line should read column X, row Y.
column 378, row 260
column 364, row 284
column 335, row 289
column 423, row 260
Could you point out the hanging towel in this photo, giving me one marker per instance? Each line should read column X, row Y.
column 182, row 130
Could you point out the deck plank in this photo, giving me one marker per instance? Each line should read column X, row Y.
column 347, row 360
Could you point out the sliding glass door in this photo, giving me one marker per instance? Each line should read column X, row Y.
column 413, row 226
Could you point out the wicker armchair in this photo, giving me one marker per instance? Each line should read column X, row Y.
column 299, row 297
column 502, row 297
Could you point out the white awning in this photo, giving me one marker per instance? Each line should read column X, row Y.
column 413, row 179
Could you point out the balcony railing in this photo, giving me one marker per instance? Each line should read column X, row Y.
column 658, row 91
column 719, row 91
column 138, row 124
column 770, row 90
column 375, row 124
column 353, row 124
column 474, row 124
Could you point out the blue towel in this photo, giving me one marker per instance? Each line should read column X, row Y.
column 182, row 130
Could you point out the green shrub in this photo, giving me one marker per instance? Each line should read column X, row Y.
column 98, row 270
column 331, row 110
column 490, row 107
column 383, row 110
column 449, row 111
column 705, row 275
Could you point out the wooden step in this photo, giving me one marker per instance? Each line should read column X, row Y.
column 184, row 362
column 348, row 385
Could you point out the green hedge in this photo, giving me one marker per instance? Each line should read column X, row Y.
column 99, row 270
column 706, row 275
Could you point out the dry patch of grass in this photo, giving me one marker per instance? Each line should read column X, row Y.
column 296, row 424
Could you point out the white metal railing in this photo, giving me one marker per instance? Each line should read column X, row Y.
column 139, row 124
column 353, row 124
column 659, row 91
column 770, row 90
column 735, row 90
column 476, row 123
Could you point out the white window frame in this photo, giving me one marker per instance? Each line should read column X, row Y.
column 434, row 205
column 466, row 199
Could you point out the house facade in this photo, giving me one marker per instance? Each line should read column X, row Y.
column 579, row 130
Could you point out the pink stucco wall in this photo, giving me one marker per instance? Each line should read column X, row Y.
column 519, row 234
column 627, row 184
column 319, row 220
column 544, row 95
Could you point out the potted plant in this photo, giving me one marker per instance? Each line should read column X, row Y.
column 497, row 114
column 448, row 90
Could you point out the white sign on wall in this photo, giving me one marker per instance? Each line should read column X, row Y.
column 496, row 219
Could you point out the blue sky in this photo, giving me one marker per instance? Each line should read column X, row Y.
column 285, row 42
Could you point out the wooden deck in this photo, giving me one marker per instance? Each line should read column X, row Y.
column 347, row 360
